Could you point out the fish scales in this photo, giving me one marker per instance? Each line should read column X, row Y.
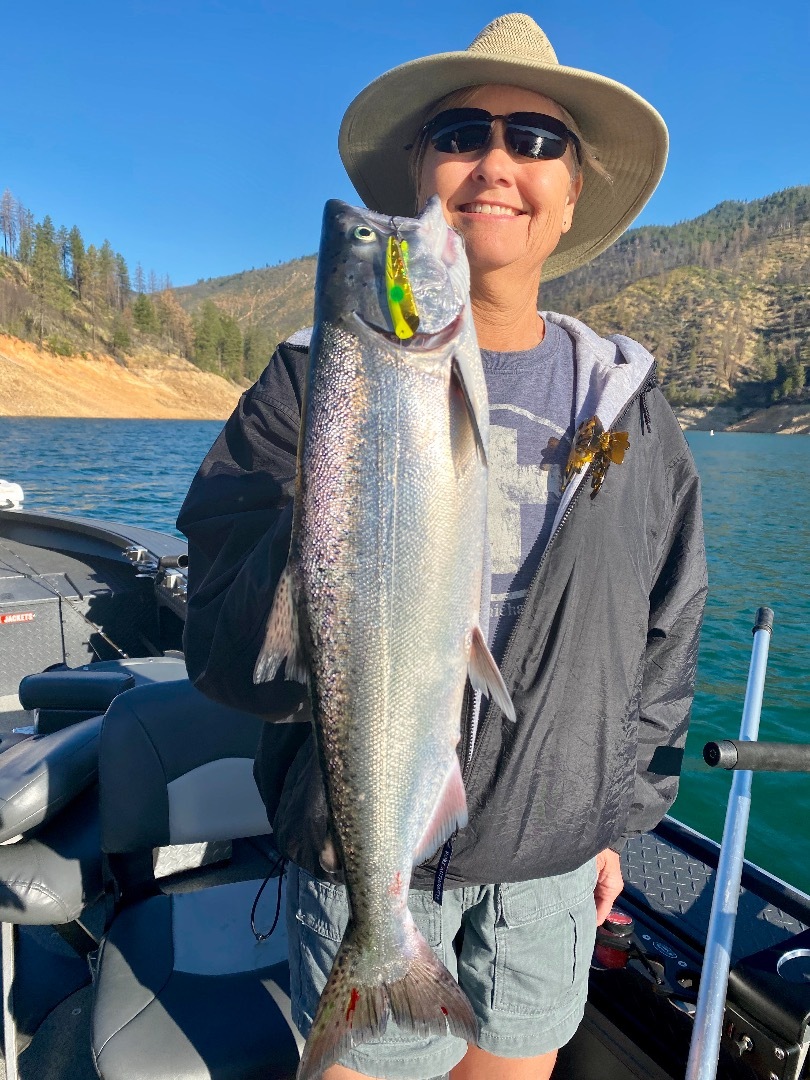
column 378, row 607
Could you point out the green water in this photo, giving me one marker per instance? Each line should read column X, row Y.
column 757, row 515
column 756, row 507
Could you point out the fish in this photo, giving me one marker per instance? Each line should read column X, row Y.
column 377, row 609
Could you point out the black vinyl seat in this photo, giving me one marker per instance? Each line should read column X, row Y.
column 63, row 696
column 183, row 988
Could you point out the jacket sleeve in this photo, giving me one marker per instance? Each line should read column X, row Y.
column 670, row 661
column 238, row 518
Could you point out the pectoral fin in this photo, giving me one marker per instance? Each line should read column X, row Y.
column 282, row 638
column 484, row 675
column 472, row 412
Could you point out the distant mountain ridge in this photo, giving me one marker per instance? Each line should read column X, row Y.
column 277, row 299
column 723, row 300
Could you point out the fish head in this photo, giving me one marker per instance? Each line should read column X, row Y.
column 405, row 279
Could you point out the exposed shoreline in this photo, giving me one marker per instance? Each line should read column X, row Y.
column 786, row 418
column 155, row 386
column 149, row 386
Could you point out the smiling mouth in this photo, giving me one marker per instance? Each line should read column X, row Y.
column 490, row 209
column 419, row 342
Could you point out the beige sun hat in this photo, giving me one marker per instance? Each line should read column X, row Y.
column 628, row 135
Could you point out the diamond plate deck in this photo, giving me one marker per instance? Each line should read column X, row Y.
column 678, row 886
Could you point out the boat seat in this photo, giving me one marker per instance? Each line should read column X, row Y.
column 41, row 774
column 179, row 969
column 64, row 696
column 52, row 877
column 11, row 738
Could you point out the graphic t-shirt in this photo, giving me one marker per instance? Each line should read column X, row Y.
column 531, row 412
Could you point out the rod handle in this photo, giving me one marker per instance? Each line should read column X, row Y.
column 764, row 620
column 758, row 756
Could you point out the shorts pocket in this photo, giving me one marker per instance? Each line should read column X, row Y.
column 427, row 915
column 322, row 907
column 544, row 937
column 321, row 913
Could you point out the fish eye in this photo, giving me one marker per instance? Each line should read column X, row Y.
column 364, row 233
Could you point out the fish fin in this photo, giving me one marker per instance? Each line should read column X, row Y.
column 428, row 1000
column 282, row 637
column 328, row 857
column 485, row 676
column 449, row 814
column 458, row 378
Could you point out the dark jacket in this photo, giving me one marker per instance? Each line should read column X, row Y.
column 600, row 666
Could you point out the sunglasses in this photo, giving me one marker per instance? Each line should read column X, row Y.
column 527, row 134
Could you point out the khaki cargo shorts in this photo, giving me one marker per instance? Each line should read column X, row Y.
column 523, row 965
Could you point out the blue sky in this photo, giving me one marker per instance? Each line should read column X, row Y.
column 200, row 136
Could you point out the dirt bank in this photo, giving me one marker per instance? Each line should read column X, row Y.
column 151, row 385
column 788, row 418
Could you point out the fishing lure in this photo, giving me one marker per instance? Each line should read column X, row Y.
column 401, row 302
column 593, row 444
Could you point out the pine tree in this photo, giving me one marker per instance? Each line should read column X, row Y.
column 78, row 261
column 123, row 287
column 25, row 234
column 257, row 348
column 8, row 222
column 63, row 243
column 47, row 283
column 107, row 273
column 230, row 347
column 121, row 338
column 140, row 284
column 207, row 331
column 144, row 315
column 175, row 323
column 92, row 285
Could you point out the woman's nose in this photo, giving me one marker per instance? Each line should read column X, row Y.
column 495, row 163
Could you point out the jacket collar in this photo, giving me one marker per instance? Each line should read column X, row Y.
column 609, row 371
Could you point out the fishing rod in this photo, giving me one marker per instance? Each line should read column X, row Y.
column 704, row 1049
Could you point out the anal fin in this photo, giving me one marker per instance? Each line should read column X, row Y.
column 485, row 676
column 449, row 814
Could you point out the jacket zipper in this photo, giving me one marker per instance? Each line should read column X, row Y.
column 648, row 384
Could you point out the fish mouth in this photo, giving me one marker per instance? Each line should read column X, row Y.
column 419, row 342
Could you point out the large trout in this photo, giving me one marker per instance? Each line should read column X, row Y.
column 378, row 607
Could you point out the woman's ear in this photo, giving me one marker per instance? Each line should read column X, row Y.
column 574, row 189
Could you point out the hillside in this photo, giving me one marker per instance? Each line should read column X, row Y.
column 151, row 385
column 722, row 301
column 276, row 298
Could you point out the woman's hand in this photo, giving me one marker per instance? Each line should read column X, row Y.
column 609, row 883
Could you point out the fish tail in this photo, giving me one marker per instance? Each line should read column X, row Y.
column 427, row 1001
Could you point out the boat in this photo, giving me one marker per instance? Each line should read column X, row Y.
column 99, row 979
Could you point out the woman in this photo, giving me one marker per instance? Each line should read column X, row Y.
column 597, row 601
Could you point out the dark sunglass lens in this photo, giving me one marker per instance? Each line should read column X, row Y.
column 461, row 137
column 535, row 142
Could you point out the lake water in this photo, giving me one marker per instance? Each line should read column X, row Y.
column 756, row 493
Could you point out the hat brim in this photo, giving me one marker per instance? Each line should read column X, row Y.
column 628, row 134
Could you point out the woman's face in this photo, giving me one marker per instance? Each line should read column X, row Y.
column 510, row 211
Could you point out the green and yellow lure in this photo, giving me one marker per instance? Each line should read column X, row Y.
column 401, row 302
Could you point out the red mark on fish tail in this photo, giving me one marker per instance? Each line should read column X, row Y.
column 444, row 1010
column 353, row 999
column 395, row 888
